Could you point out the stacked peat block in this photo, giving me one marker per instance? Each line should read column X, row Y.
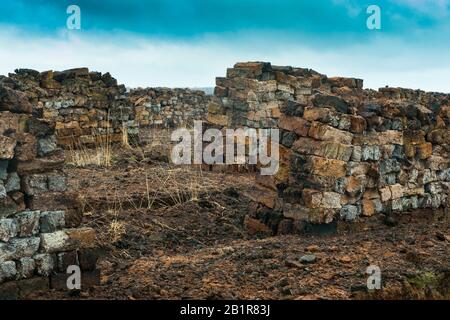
column 89, row 106
column 168, row 108
column 83, row 105
column 37, row 240
column 345, row 152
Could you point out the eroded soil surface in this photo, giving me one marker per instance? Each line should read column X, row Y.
column 177, row 233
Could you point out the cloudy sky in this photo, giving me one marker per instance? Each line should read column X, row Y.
column 180, row 43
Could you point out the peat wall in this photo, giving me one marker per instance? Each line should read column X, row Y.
column 345, row 152
column 87, row 106
column 39, row 223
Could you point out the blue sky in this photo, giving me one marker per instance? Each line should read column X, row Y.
column 190, row 42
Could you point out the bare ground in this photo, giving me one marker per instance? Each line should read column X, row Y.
column 177, row 233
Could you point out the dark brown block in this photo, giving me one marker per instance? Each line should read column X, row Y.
column 66, row 259
column 30, row 286
column 9, row 291
column 88, row 259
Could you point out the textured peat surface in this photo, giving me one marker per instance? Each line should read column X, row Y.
column 190, row 243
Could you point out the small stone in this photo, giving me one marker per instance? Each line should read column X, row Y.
column 429, row 176
column 397, row 205
column 293, row 264
column 327, row 167
column 9, row 122
column 14, row 101
column 220, row 120
column 357, row 153
column 3, row 193
column 8, row 229
column 386, row 194
column 312, row 248
column 396, row 191
column 5, row 253
column 349, row 213
column 293, row 109
column 326, row 200
column 12, row 182
column 35, row 184
column 399, row 152
column 345, row 259
column 281, row 283
column 47, row 145
column 7, row 146
column 26, row 148
column 358, row 124
column 45, row 263
column 19, row 248
column 317, row 114
column 368, row 207
column 444, row 175
column 88, row 280
column 294, row 124
column 389, row 165
column 7, row 270
column 56, row 241
column 52, row 221
column 12, row 204
column 324, row 132
column 409, row 203
column 335, row 102
column 371, row 153
column 355, row 185
column 25, row 268
column 308, row 259
column 339, row 185
column 425, row 150
column 434, row 188
column 28, row 223
column 389, row 179
column 288, row 139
